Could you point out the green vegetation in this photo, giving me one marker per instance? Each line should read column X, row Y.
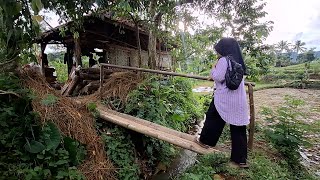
column 261, row 167
column 156, row 100
column 29, row 150
column 120, row 149
column 61, row 70
column 285, row 134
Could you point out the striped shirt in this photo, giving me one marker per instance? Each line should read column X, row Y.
column 231, row 104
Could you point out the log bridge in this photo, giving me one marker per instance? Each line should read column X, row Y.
column 148, row 128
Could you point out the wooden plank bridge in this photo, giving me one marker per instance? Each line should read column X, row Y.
column 154, row 130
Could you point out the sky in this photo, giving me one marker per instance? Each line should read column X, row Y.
column 294, row 20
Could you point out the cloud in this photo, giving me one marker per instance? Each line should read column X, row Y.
column 294, row 20
column 297, row 36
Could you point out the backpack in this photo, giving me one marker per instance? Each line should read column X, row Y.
column 234, row 74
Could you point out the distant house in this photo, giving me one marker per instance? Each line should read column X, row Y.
column 115, row 39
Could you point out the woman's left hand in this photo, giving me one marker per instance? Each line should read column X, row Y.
column 214, row 65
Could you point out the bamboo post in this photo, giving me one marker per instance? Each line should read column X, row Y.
column 252, row 117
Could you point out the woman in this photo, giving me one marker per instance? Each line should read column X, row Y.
column 228, row 106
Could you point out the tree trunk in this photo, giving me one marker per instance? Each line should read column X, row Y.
column 152, row 50
column 152, row 36
column 138, row 44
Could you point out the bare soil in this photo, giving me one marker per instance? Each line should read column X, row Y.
column 273, row 98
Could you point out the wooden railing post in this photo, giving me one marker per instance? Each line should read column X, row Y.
column 252, row 116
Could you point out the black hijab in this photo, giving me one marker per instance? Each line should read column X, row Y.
column 230, row 47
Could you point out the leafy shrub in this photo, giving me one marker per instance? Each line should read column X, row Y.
column 168, row 102
column 120, row 150
column 286, row 131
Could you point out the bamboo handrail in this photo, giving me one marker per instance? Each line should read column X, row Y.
column 161, row 72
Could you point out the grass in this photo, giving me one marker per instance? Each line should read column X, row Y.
column 261, row 167
column 313, row 65
column 261, row 86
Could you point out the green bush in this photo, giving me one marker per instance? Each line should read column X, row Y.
column 168, row 102
column 29, row 150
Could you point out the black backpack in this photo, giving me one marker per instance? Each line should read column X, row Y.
column 234, row 74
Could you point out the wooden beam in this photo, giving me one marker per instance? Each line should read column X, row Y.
column 112, row 39
column 138, row 125
column 152, row 125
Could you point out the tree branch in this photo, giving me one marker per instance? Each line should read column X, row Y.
column 8, row 93
column 8, row 62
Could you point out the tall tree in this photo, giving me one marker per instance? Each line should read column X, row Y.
column 299, row 47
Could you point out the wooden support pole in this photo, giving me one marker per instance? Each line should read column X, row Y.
column 43, row 60
column 77, row 51
column 252, row 117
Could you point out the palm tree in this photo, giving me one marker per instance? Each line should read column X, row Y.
column 283, row 45
column 299, row 47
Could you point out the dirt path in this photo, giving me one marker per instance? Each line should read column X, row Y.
column 274, row 98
